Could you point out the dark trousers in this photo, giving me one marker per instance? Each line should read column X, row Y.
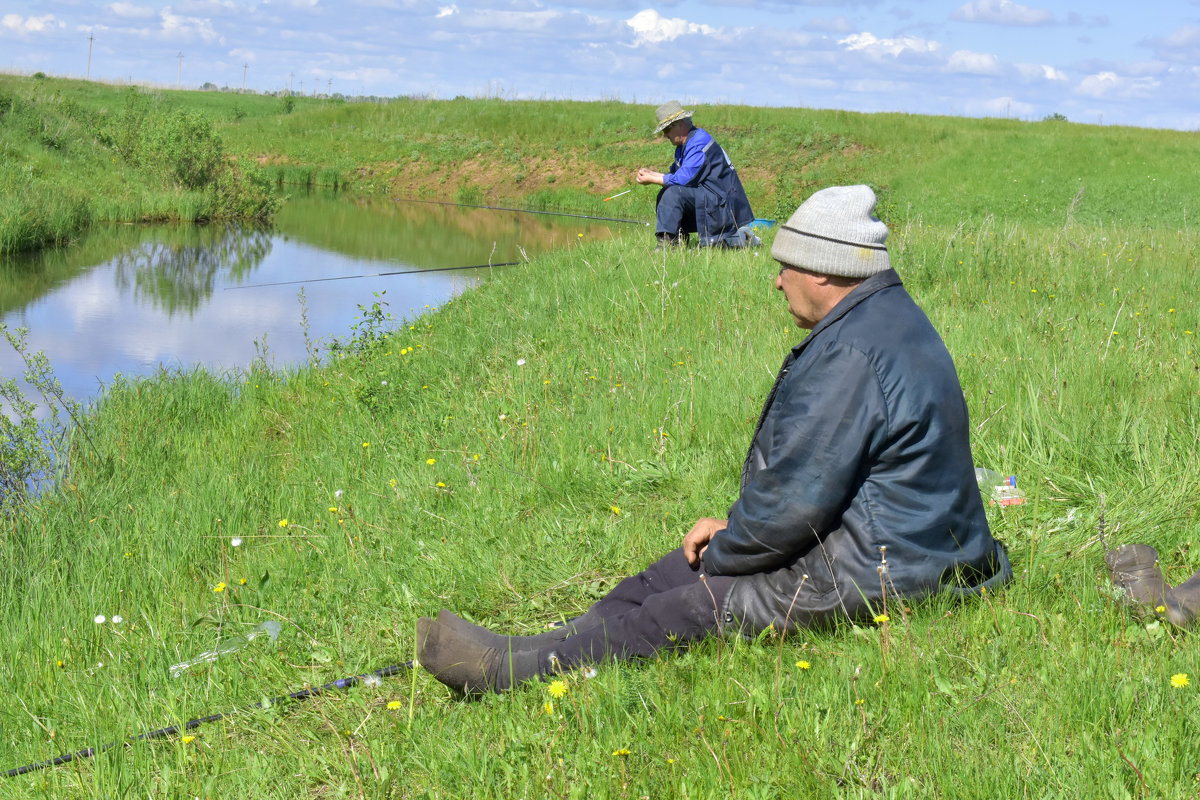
column 667, row 605
column 675, row 210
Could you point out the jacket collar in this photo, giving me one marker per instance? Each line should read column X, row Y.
column 873, row 284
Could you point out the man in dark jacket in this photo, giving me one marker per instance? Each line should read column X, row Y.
column 702, row 193
column 859, row 484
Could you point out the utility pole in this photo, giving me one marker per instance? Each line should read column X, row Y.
column 244, row 68
column 179, row 80
column 290, row 76
column 302, row 86
column 89, row 67
column 329, row 88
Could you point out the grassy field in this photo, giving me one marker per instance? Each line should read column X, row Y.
column 514, row 453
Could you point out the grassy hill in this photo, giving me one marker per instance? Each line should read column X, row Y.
column 514, row 453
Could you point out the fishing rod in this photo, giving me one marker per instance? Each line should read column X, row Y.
column 171, row 730
column 375, row 275
column 524, row 211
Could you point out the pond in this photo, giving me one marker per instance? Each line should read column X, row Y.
column 127, row 299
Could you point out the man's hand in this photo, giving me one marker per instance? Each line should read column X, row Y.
column 648, row 176
column 697, row 539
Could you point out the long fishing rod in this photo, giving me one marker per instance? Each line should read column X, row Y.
column 525, row 211
column 376, row 275
column 171, row 730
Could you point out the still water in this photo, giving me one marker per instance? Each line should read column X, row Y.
column 129, row 299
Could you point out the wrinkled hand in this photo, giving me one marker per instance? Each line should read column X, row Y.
column 697, row 539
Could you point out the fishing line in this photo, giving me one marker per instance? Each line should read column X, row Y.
column 524, row 211
column 171, row 730
column 376, row 275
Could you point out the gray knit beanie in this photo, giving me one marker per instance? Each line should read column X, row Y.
column 835, row 232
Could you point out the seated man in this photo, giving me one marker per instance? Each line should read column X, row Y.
column 702, row 193
column 859, row 484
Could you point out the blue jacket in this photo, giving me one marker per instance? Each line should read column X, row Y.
column 863, row 444
column 721, row 203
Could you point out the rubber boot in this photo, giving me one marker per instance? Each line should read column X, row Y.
column 501, row 642
column 1183, row 602
column 469, row 666
column 1135, row 570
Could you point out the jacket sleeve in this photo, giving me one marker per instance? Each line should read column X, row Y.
column 824, row 425
column 686, row 167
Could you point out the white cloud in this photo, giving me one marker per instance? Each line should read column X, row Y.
column 1039, row 72
column 130, row 11
column 875, row 47
column 648, row 26
column 1002, row 12
column 965, row 61
column 1110, row 84
column 23, row 26
column 180, row 27
column 447, row 11
column 1181, row 45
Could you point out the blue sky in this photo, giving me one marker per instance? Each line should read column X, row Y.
column 1097, row 62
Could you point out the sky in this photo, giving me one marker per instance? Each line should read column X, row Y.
column 1092, row 61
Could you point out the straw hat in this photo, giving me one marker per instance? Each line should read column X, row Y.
column 669, row 113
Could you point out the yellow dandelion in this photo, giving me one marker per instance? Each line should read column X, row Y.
column 283, row 523
column 1179, row 680
column 188, row 739
column 241, row 581
column 440, row 485
column 366, row 445
column 859, row 702
column 803, row 665
column 615, row 510
column 1160, row 609
column 557, row 689
column 220, row 587
column 881, row 618
column 431, row 461
column 393, row 705
column 333, row 509
column 548, row 707
column 621, row 753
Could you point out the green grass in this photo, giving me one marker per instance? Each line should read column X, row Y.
column 1073, row 328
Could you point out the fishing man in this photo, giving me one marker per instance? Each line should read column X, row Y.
column 702, row 193
column 858, row 490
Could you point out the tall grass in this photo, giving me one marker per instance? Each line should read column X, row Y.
column 513, row 454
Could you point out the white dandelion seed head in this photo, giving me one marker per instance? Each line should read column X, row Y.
column 117, row 619
column 236, row 541
column 383, row 383
column 373, row 681
column 99, row 620
column 520, row 362
column 338, row 494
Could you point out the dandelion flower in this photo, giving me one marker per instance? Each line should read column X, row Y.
column 615, row 510
column 1179, row 680
column 802, row 664
column 366, row 445
column 548, row 707
column 333, row 509
column 283, row 523
column 1160, row 609
column 393, row 705
column 621, row 753
column 881, row 618
column 859, row 702
column 241, row 581
column 557, row 689
column 440, row 485
column 220, row 587
column 117, row 619
column 236, row 541
column 431, row 461
column 188, row 739
column 99, row 619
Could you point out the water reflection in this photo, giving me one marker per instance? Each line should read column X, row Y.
column 175, row 276
column 129, row 299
